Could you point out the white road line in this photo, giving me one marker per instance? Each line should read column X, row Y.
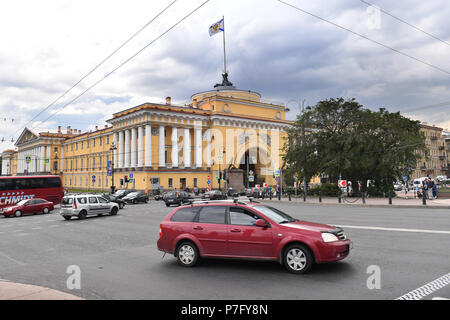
column 394, row 229
column 427, row 289
column 36, row 228
column 12, row 259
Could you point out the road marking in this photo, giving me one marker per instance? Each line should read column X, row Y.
column 395, row 229
column 36, row 228
column 427, row 289
column 12, row 259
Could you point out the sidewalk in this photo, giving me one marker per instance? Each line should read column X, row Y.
column 18, row 291
column 399, row 201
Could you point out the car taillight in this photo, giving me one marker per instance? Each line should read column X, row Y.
column 160, row 231
column 177, row 195
column 74, row 204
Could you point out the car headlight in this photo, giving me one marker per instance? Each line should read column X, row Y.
column 329, row 237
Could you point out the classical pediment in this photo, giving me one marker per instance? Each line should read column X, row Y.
column 26, row 136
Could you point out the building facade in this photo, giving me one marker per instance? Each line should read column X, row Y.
column 225, row 132
column 436, row 163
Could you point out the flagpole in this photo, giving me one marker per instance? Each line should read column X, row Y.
column 224, row 51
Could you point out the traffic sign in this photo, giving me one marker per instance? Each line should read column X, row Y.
column 251, row 178
column 28, row 159
column 93, row 178
column 277, row 173
column 265, row 185
column 46, row 160
column 342, row 183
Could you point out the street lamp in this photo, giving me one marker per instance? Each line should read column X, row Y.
column 112, row 149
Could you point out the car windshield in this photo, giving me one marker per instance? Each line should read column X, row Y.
column 21, row 202
column 119, row 192
column 132, row 194
column 274, row 214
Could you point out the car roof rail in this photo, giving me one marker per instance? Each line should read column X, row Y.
column 210, row 201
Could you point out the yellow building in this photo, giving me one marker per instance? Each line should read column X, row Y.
column 167, row 146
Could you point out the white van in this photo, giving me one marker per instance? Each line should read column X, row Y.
column 418, row 182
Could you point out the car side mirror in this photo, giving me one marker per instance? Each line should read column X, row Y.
column 260, row 223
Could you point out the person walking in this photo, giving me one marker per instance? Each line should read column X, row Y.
column 430, row 187
column 425, row 188
column 434, row 190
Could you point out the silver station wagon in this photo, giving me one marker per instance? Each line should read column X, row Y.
column 83, row 205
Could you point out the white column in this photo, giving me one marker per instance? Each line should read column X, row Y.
column 127, row 148
column 187, row 147
column 61, row 165
column 208, row 148
column 198, row 147
column 162, row 147
column 46, row 149
column 140, row 147
column 174, row 147
column 120, row 149
column 116, row 152
column 133, row 147
column 148, row 145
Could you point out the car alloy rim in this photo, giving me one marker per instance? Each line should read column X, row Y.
column 18, row 214
column 45, row 210
column 186, row 254
column 296, row 259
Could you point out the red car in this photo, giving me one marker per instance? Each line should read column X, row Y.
column 234, row 229
column 28, row 206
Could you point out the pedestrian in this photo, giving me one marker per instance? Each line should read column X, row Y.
column 430, row 187
column 425, row 188
column 406, row 190
column 434, row 190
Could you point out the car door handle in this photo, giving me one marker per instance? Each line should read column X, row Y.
column 198, row 228
column 235, row 230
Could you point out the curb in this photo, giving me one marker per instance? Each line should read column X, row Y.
column 360, row 205
column 19, row 291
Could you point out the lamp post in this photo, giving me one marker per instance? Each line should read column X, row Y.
column 112, row 148
column 220, row 172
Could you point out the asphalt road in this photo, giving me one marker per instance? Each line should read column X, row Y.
column 118, row 258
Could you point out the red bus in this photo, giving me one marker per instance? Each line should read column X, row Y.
column 16, row 188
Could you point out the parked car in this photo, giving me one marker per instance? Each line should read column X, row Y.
column 26, row 207
column 123, row 192
column 159, row 196
column 214, row 195
column 115, row 199
column 177, row 197
column 84, row 205
column 232, row 229
column 398, row 186
column 136, row 197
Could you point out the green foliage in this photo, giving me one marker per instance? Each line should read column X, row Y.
column 344, row 139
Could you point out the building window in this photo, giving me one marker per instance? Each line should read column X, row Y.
column 81, row 164
column 82, row 145
column 100, row 140
column 100, row 163
column 76, row 146
column 93, row 163
column 71, row 147
column 55, row 165
column 195, row 182
column 170, row 183
column 93, row 142
column 87, row 144
column 56, row 149
column 107, row 139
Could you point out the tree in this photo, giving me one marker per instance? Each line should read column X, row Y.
column 346, row 140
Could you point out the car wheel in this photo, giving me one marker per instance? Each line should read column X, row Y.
column 167, row 205
column 45, row 211
column 67, row 217
column 146, row 200
column 297, row 258
column 82, row 215
column 18, row 213
column 134, row 201
column 187, row 254
column 114, row 211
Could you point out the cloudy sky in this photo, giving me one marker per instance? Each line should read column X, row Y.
column 49, row 45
